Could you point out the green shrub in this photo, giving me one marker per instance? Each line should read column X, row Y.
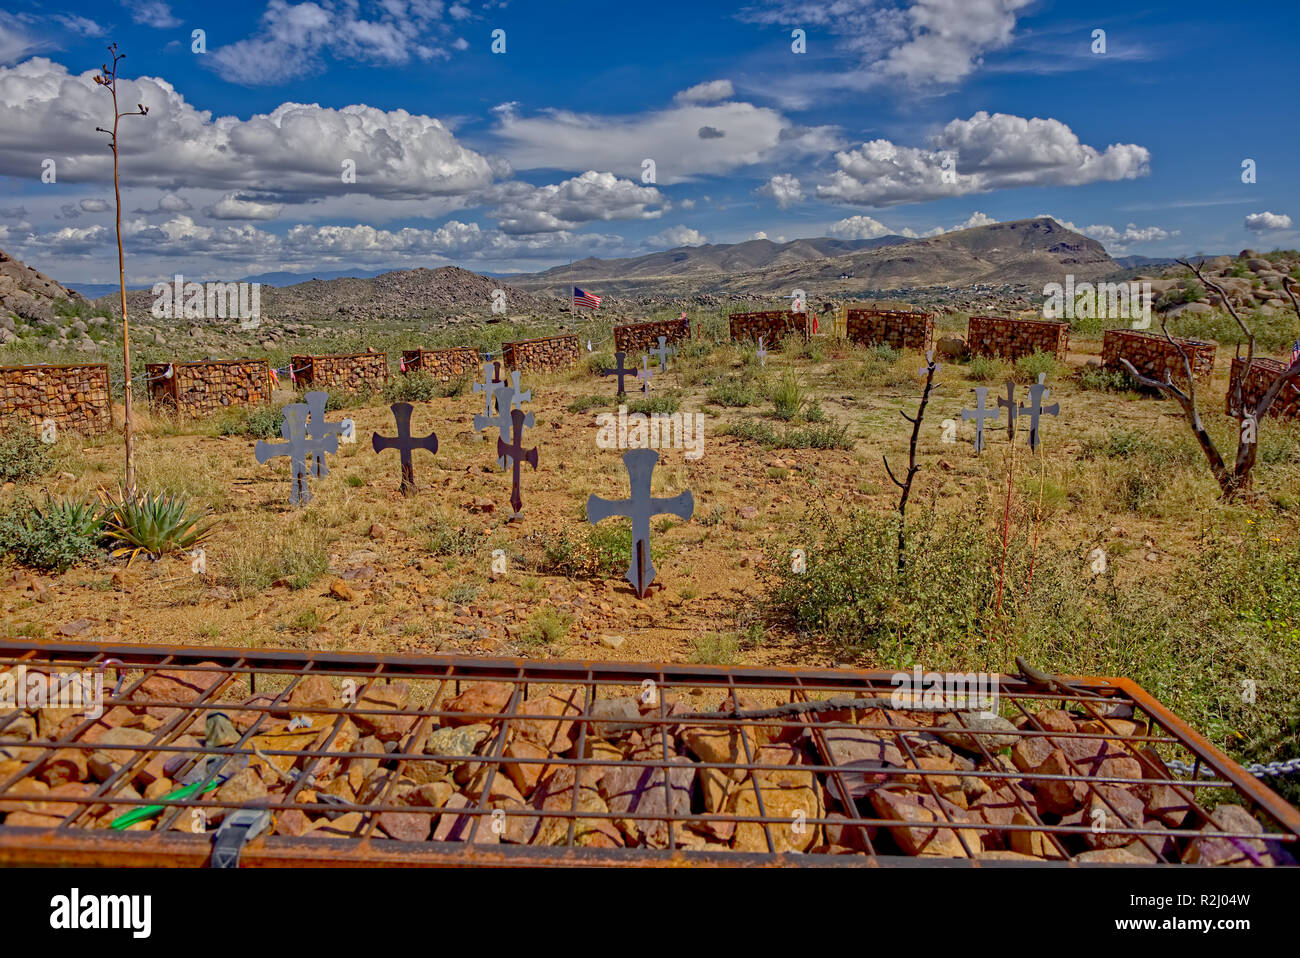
column 1028, row 368
column 734, row 391
column 715, row 648
column 662, row 403
column 752, row 430
column 545, row 626
column 788, row 396
column 597, row 363
column 295, row 561
column 420, row 386
column 818, row 436
column 259, row 422
column 601, row 553
column 983, row 369
column 23, row 457
column 588, row 403
column 448, row 540
column 1104, row 380
column 851, row 592
column 53, row 537
column 884, row 352
column 153, row 524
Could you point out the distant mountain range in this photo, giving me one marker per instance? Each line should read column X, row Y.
column 1020, row 254
column 1023, row 252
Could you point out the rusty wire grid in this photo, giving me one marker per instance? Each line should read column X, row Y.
column 393, row 759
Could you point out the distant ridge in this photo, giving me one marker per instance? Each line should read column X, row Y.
column 1024, row 252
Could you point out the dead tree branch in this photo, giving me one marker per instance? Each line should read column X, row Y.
column 930, row 369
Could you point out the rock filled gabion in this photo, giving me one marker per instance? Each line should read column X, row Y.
column 1155, row 357
column 544, row 355
column 1263, row 371
column 642, row 337
column 1010, row 339
column 75, row 397
column 201, row 388
column 773, row 325
column 442, row 364
column 349, row 372
column 1032, row 791
column 901, row 329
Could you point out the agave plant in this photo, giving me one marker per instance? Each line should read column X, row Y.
column 84, row 519
column 153, row 524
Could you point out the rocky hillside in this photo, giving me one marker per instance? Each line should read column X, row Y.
column 712, row 258
column 448, row 292
column 1023, row 252
column 32, row 304
column 1252, row 283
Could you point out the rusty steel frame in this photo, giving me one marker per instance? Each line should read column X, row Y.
column 75, row 841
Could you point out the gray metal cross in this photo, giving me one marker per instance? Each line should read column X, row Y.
column 294, row 430
column 1009, row 404
column 762, row 353
column 662, row 352
column 405, row 444
column 640, row 507
column 621, row 371
column 644, row 373
column 979, row 414
column 521, row 395
column 319, row 432
column 505, row 404
column 1037, row 393
column 492, row 381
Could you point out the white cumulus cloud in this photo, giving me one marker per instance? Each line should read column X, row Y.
column 986, row 152
column 784, row 188
column 675, row 236
column 1262, row 222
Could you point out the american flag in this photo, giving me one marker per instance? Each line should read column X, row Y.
column 1295, row 352
column 583, row 298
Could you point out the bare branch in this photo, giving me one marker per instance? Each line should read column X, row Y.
column 885, row 460
column 1166, row 387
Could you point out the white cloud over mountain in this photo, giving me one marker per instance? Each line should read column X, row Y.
column 984, row 153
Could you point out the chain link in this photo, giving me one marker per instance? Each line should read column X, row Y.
column 1270, row 770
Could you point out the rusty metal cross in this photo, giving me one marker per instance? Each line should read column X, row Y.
column 516, row 454
column 405, row 444
column 621, row 371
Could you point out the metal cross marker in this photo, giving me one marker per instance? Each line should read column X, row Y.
column 506, row 402
column 662, row 352
column 294, row 430
column 318, row 432
column 1009, row 404
column 515, row 452
column 405, row 443
column 762, row 353
column 1037, row 393
column 621, row 371
column 979, row 414
column 492, row 381
column 644, row 374
column 640, row 507
column 521, row 395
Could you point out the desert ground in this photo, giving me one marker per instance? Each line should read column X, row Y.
column 1195, row 596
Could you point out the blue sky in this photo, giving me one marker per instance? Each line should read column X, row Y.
column 902, row 116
